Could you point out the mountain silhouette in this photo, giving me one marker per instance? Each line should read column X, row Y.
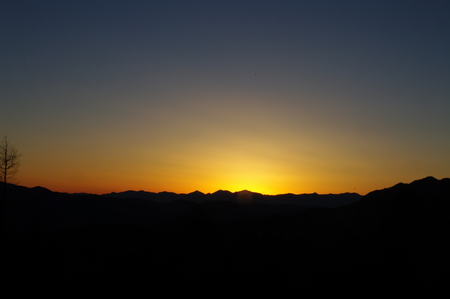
column 246, row 196
column 392, row 241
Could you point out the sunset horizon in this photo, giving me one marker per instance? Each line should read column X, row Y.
column 212, row 191
column 267, row 96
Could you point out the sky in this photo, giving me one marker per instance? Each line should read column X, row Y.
column 269, row 96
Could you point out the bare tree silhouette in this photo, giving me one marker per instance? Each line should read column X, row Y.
column 9, row 165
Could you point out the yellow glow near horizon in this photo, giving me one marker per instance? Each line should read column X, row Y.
column 234, row 147
column 249, row 179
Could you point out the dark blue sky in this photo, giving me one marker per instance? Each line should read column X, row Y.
column 289, row 96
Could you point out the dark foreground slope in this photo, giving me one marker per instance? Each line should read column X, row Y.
column 391, row 242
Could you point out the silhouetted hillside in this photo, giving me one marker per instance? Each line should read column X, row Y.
column 393, row 241
column 245, row 196
column 41, row 209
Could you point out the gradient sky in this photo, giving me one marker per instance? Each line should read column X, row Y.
column 269, row 96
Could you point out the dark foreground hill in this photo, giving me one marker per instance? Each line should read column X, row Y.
column 392, row 242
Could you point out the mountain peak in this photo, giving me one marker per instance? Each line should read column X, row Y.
column 245, row 191
column 221, row 192
column 417, row 193
column 196, row 192
column 426, row 180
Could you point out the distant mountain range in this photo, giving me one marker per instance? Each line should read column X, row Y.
column 391, row 241
column 245, row 196
column 29, row 206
